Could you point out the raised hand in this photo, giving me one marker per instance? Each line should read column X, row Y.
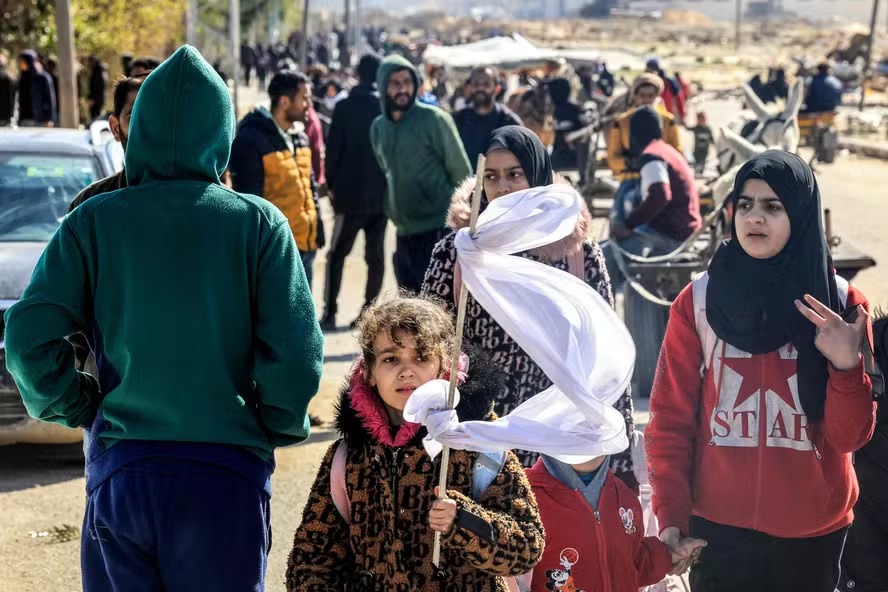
column 838, row 341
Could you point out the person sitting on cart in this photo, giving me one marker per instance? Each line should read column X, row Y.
column 623, row 162
column 657, row 219
column 824, row 93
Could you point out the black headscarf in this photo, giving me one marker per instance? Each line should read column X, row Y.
column 529, row 151
column 750, row 302
column 645, row 126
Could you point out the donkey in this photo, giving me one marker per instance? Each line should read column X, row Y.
column 740, row 150
column 768, row 130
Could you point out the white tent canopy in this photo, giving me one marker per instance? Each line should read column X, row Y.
column 516, row 51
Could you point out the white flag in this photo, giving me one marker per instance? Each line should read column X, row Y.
column 562, row 323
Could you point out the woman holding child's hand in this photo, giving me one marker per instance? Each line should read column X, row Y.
column 761, row 397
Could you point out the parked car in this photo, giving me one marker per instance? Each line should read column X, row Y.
column 41, row 171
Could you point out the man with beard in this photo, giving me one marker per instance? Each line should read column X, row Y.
column 484, row 115
column 271, row 157
column 125, row 91
column 422, row 157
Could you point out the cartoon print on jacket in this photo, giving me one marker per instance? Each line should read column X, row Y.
column 561, row 580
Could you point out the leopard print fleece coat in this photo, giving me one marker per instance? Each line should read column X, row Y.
column 524, row 378
column 390, row 481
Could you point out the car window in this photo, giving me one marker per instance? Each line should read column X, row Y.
column 35, row 190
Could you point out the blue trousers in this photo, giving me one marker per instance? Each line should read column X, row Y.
column 162, row 525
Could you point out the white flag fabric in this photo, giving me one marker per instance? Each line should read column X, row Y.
column 562, row 323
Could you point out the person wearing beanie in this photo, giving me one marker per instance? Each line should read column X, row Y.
column 623, row 160
column 357, row 189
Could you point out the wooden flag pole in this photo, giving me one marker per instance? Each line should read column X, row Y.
column 457, row 349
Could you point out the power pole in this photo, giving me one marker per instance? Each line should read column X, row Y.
column 303, row 46
column 191, row 23
column 234, row 33
column 359, row 30
column 869, row 52
column 738, row 23
column 67, row 99
column 348, row 23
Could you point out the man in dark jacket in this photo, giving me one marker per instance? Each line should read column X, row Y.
column 824, row 92
column 567, row 156
column 477, row 121
column 125, row 91
column 271, row 158
column 36, row 99
column 7, row 93
column 98, row 84
column 357, row 189
column 419, row 150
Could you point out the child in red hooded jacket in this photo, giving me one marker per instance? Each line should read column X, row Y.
column 595, row 535
column 760, row 399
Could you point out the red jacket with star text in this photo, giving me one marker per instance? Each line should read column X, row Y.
column 588, row 551
column 728, row 440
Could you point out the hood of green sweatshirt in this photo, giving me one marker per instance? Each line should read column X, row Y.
column 182, row 124
column 389, row 66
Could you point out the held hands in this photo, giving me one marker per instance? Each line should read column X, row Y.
column 442, row 515
column 685, row 550
column 838, row 341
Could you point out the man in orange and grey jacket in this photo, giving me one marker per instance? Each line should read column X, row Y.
column 271, row 158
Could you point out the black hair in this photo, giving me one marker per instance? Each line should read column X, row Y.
column 144, row 63
column 487, row 71
column 368, row 67
column 122, row 89
column 285, row 84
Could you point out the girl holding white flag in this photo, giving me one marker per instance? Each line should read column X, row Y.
column 517, row 160
column 371, row 516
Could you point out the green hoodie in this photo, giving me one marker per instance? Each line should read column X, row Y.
column 194, row 296
column 421, row 155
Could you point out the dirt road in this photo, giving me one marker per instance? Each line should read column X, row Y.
column 40, row 494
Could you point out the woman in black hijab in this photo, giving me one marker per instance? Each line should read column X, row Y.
column 761, row 396
column 517, row 160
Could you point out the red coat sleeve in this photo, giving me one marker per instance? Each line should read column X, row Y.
column 849, row 417
column 675, row 399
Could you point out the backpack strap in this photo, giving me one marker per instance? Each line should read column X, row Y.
column 842, row 287
column 708, row 339
column 486, row 468
column 576, row 266
column 338, row 491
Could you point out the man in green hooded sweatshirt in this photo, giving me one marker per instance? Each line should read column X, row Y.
column 201, row 320
column 419, row 150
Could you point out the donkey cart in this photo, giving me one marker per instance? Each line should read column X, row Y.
column 818, row 130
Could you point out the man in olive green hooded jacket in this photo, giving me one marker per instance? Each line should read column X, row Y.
column 419, row 150
column 201, row 320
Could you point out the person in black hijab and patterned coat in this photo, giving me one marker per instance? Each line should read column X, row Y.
column 516, row 160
